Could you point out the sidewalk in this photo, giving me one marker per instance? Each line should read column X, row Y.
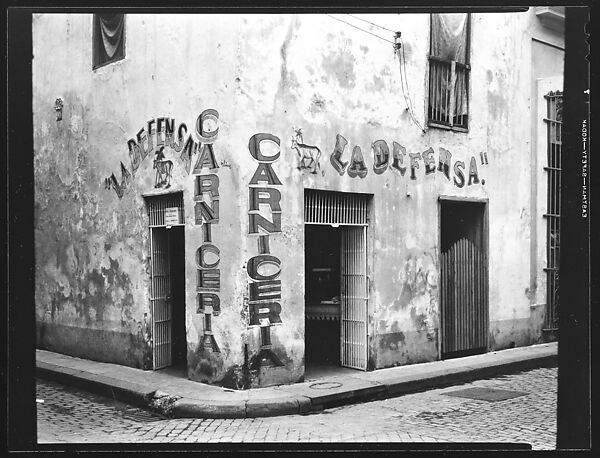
column 175, row 396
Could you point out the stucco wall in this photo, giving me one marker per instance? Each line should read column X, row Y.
column 270, row 74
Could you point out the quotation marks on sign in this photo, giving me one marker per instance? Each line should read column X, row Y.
column 161, row 133
column 118, row 186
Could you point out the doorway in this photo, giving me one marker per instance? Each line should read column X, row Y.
column 464, row 277
column 336, row 288
column 167, row 280
column 322, row 295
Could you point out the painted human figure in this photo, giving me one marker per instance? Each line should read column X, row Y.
column 163, row 169
column 308, row 155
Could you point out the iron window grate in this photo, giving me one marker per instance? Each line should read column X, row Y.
column 159, row 206
column 553, row 211
column 335, row 208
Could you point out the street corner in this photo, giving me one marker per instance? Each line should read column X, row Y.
column 192, row 408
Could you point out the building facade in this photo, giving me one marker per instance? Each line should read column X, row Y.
column 250, row 195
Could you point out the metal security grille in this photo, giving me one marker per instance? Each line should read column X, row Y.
column 448, row 87
column 158, row 206
column 164, row 211
column 449, row 49
column 464, row 298
column 354, row 298
column 327, row 207
column 160, row 298
column 350, row 211
column 554, row 125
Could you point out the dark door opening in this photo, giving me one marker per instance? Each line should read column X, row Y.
column 322, row 295
column 176, row 239
column 167, row 280
column 463, row 259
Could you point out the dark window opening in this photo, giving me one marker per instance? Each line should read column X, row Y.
column 108, row 38
column 449, row 71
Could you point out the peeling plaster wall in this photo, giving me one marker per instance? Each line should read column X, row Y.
column 269, row 74
column 90, row 248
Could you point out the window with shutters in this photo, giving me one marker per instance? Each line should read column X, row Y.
column 449, row 70
column 108, row 39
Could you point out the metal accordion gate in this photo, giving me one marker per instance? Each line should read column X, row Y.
column 463, row 298
column 159, row 210
column 349, row 212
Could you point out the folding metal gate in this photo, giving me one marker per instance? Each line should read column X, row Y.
column 350, row 213
column 354, row 298
column 161, row 210
column 160, row 298
column 464, row 298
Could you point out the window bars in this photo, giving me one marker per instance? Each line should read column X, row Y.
column 161, row 205
column 554, row 124
column 328, row 207
column 449, row 70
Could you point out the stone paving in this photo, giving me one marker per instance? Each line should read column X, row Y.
column 68, row 415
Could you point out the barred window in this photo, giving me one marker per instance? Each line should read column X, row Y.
column 449, row 71
column 108, row 39
column 553, row 121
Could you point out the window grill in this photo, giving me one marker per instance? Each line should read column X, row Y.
column 339, row 208
column 554, row 125
column 159, row 206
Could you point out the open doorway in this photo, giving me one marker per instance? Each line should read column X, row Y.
column 336, row 289
column 322, row 295
column 464, row 279
column 167, row 280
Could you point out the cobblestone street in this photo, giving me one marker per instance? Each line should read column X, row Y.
column 67, row 415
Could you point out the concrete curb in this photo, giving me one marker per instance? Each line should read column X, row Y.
column 293, row 400
column 128, row 392
column 456, row 376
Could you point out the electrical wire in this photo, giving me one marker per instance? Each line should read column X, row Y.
column 402, row 59
column 372, row 23
column 363, row 30
column 407, row 99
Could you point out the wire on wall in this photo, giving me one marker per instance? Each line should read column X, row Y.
column 372, row 23
column 399, row 50
column 362, row 30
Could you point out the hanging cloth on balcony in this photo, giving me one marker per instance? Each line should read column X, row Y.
column 449, row 43
column 449, row 36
